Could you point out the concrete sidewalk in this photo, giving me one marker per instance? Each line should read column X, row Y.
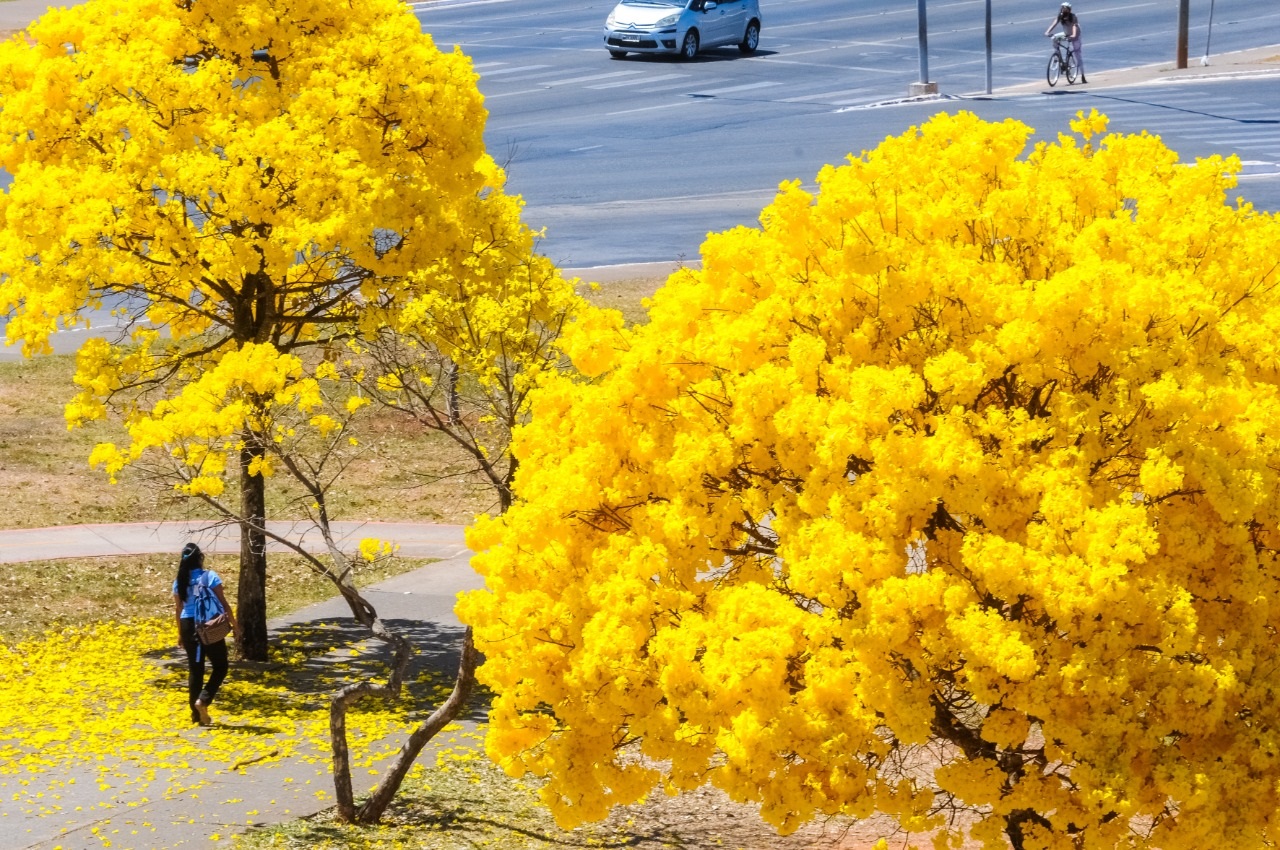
column 1257, row 62
column 71, row 806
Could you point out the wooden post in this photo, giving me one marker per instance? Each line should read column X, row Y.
column 1184, row 19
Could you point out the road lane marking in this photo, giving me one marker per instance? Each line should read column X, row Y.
column 823, row 95
column 639, row 82
column 443, row 4
column 683, row 84
column 746, row 87
column 484, row 75
column 501, row 95
column 567, row 80
column 673, row 105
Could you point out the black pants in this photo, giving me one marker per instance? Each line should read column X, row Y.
column 197, row 687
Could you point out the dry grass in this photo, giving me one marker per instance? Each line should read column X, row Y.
column 43, row 470
column 408, row 473
column 627, row 296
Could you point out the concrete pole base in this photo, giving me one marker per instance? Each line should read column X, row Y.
column 917, row 89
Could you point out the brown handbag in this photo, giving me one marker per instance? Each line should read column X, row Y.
column 212, row 631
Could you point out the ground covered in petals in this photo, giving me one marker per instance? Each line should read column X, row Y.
column 105, row 706
column 94, row 728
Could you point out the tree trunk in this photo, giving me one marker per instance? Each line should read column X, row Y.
column 1016, row 823
column 251, row 592
column 373, row 809
column 452, row 404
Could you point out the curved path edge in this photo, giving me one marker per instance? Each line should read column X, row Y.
column 413, row 539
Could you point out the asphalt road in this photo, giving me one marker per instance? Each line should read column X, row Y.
column 636, row 160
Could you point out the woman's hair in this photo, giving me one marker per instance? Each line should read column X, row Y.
column 192, row 559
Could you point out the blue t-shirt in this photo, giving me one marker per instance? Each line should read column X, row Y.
column 189, row 607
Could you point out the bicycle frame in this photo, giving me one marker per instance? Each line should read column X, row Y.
column 1062, row 59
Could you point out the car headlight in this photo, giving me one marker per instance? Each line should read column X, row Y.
column 610, row 21
column 669, row 20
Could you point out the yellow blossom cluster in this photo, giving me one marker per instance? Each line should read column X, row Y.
column 234, row 163
column 253, row 190
column 252, row 389
column 974, row 447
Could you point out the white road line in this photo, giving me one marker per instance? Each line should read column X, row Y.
column 673, row 105
column 501, row 95
column 580, row 79
column 821, row 96
column 683, row 84
column 746, row 87
column 438, row 4
column 639, row 82
column 484, row 75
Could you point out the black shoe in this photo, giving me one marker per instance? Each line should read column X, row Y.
column 1083, row 81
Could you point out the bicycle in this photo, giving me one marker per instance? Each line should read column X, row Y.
column 1063, row 59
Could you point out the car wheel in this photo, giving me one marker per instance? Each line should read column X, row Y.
column 617, row 54
column 1055, row 68
column 751, row 40
column 689, row 47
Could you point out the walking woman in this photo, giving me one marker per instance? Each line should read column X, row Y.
column 194, row 582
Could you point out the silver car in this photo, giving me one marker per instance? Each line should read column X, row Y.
column 681, row 26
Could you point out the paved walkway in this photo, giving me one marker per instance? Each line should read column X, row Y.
column 415, row 540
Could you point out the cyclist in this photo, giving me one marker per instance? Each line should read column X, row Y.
column 1071, row 28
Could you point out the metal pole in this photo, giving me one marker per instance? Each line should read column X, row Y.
column 924, row 42
column 1209, row 37
column 1184, row 20
column 989, row 47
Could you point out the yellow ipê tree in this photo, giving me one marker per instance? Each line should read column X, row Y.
column 948, row 493
column 254, row 186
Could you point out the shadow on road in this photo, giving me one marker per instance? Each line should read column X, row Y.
column 711, row 56
column 1170, row 107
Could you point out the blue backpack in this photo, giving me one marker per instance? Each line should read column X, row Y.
column 212, row 624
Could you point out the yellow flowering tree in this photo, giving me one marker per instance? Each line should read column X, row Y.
column 472, row 385
column 251, row 187
column 948, row 493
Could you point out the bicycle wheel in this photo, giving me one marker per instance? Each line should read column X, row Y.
column 1073, row 69
column 1055, row 68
